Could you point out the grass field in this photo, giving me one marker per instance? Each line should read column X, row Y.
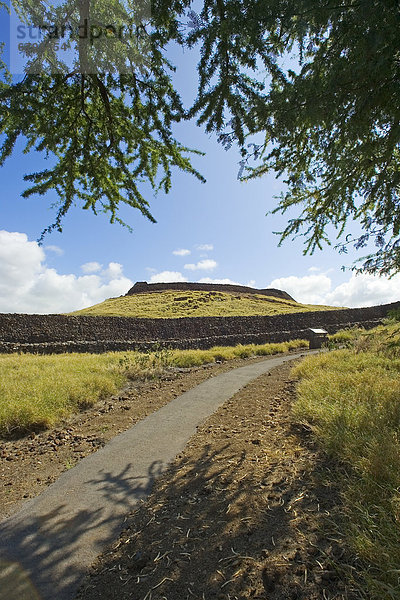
column 171, row 304
column 350, row 399
column 40, row 391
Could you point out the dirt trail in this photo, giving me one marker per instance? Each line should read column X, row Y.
column 237, row 516
column 28, row 465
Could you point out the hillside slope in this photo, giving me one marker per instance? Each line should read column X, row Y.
column 173, row 304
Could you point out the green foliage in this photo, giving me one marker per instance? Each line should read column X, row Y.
column 330, row 124
column 171, row 304
column 350, row 400
column 107, row 128
column 394, row 315
column 333, row 128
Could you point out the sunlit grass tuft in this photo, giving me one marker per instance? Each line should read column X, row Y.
column 189, row 358
column 38, row 391
column 351, row 401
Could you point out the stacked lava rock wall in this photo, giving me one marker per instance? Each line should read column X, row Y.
column 59, row 333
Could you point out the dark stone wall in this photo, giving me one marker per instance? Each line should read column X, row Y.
column 60, row 333
column 142, row 287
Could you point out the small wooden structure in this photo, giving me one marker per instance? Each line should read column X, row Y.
column 317, row 337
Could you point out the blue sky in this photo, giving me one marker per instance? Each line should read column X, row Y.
column 222, row 226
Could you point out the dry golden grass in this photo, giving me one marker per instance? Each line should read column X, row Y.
column 175, row 304
column 351, row 400
column 40, row 391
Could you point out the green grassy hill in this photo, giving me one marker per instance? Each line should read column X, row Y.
column 172, row 304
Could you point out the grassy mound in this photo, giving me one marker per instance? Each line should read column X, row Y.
column 170, row 304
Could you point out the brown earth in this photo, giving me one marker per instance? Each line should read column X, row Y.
column 30, row 464
column 241, row 513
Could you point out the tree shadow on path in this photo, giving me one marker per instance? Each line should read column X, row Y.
column 44, row 552
column 223, row 526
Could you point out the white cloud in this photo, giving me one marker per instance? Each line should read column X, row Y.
column 358, row 291
column 365, row 290
column 27, row 285
column 205, row 247
column 310, row 289
column 204, row 265
column 20, row 261
column 314, row 270
column 224, row 281
column 113, row 271
column 181, row 252
column 91, row 267
column 56, row 249
column 167, row 277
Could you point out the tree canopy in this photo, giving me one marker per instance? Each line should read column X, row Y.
column 101, row 104
column 328, row 124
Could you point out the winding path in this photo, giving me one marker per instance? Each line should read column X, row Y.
column 47, row 547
